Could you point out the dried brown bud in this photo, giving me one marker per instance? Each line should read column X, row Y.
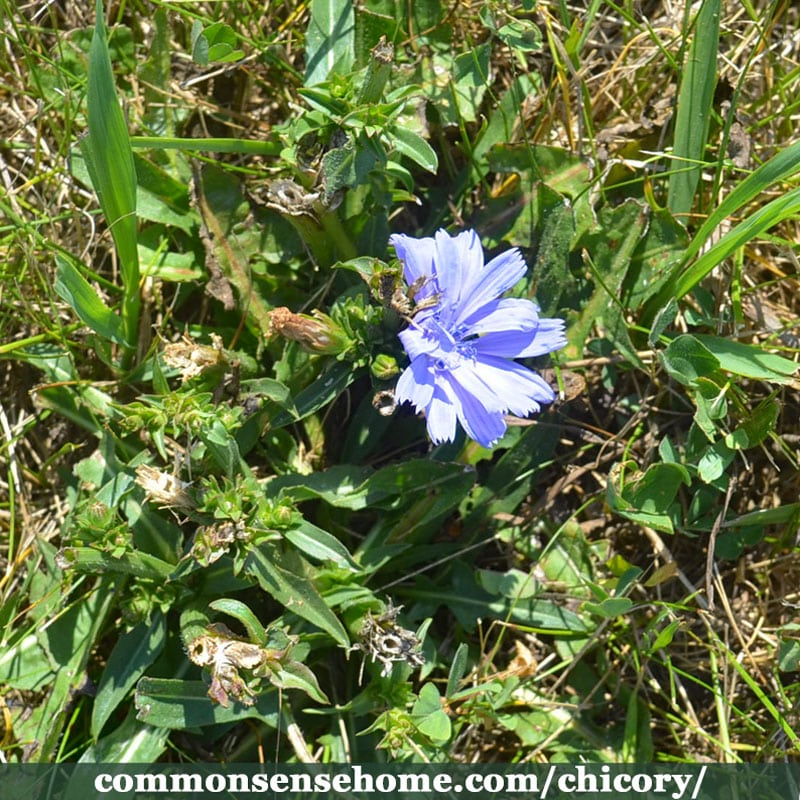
column 317, row 332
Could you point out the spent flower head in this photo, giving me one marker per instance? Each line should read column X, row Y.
column 463, row 337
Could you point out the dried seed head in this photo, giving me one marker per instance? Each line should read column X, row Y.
column 164, row 489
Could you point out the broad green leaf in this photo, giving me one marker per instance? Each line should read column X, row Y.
column 766, row 516
column 183, row 705
column 756, row 427
column 714, row 461
column 25, row 664
column 789, row 655
column 355, row 488
column 294, row 675
column 349, row 166
column 238, row 610
column 330, row 39
column 72, row 287
column 470, row 79
column 133, row 653
column 612, row 244
column 687, row 358
column 610, row 607
column 216, row 43
column 71, row 640
column 749, row 360
column 521, row 34
column 326, row 388
column 132, row 742
column 320, row 545
column 134, row 562
column 295, row 592
column 469, row 602
column 411, row 144
column 656, row 490
column 429, row 717
column 513, row 584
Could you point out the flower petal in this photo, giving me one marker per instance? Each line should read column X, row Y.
column 508, row 314
column 482, row 425
column 521, row 389
column 498, row 276
column 416, row 384
column 418, row 257
column 419, row 341
column 547, row 337
column 440, row 417
column 459, row 265
column 473, row 383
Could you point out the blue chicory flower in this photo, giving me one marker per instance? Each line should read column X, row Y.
column 463, row 338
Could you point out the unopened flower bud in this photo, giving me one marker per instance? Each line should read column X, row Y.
column 384, row 367
column 316, row 332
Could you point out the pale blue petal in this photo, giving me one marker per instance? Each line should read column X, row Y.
column 416, row 384
column 547, row 337
column 508, row 314
column 459, row 264
column 521, row 389
column 497, row 277
column 482, row 425
column 472, row 382
column 418, row 257
column 440, row 417
column 418, row 341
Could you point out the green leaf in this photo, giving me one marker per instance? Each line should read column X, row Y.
column 320, row 545
column 295, row 592
column 411, row 144
column 789, row 655
column 134, row 562
column 72, row 287
column 521, row 34
column 714, row 461
column 216, row 43
column 470, row 80
column 749, row 360
column 610, row 607
column 756, row 427
column 346, row 486
column 109, row 159
column 71, row 640
column 687, row 358
column 655, row 491
column 323, row 390
column 765, row 516
column 664, row 637
column 177, row 704
column 238, row 610
column 458, row 668
column 429, row 717
column 330, row 39
column 133, row 653
column 612, row 243
column 294, row 675
column 694, row 108
column 131, row 742
column 469, row 602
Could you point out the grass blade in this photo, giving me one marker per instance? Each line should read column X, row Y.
column 693, row 115
column 109, row 159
